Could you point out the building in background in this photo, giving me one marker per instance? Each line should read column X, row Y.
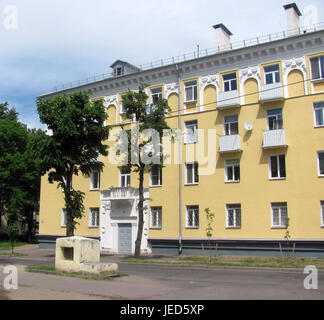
column 263, row 101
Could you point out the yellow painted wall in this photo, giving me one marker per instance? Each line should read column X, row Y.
column 296, row 85
column 302, row 189
column 251, row 87
column 210, row 97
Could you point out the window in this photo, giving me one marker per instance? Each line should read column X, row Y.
column 156, row 217
column 156, row 176
column 63, row 218
column 191, row 128
column 279, row 215
column 322, row 213
column 274, row 119
column 277, row 167
column 317, row 66
column 319, row 114
column 156, row 95
column 118, row 71
column 191, row 91
column 192, row 217
column 320, row 156
column 232, row 170
column 272, row 74
column 94, row 218
column 231, row 125
column 233, row 216
column 230, row 83
column 122, row 108
column 95, row 180
column 192, row 176
column 124, row 177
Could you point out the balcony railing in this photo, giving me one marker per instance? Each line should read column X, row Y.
column 274, row 138
column 271, row 92
column 123, row 193
column 228, row 99
column 230, row 143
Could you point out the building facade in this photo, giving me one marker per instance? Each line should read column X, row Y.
column 251, row 150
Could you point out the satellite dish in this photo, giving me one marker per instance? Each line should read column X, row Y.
column 248, row 125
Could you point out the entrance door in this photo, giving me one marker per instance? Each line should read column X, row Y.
column 124, row 238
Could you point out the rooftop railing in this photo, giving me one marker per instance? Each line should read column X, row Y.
column 199, row 53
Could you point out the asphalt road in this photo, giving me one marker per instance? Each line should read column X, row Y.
column 174, row 283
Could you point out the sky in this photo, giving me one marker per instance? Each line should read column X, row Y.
column 49, row 43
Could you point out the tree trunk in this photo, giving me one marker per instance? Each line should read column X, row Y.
column 140, row 212
column 68, row 200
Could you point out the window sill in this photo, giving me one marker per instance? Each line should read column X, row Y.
column 156, row 186
column 190, row 142
column 94, row 189
column 188, row 102
column 238, row 181
column 93, row 227
column 191, row 184
column 275, row 179
column 278, row 227
column 192, row 227
column 321, row 126
column 228, row 227
column 156, row 228
column 321, row 175
column 317, row 80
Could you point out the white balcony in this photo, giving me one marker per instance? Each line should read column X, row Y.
column 125, row 193
column 271, row 92
column 228, row 99
column 230, row 143
column 274, row 139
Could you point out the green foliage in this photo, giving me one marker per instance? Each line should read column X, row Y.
column 78, row 131
column 19, row 169
column 209, row 229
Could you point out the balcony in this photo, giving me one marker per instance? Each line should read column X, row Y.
column 124, row 193
column 230, row 143
column 274, row 139
column 271, row 92
column 228, row 99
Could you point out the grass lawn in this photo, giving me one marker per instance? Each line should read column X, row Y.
column 234, row 261
column 51, row 270
column 6, row 245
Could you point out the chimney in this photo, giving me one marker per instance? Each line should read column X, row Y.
column 223, row 41
column 292, row 16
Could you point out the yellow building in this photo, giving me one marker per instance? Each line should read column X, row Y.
column 252, row 151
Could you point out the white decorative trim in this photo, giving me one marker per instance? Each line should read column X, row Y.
column 170, row 88
column 294, row 64
column 245, row 74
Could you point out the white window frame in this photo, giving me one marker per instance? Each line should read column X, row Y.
column 319, row 164
column 158, row 94
column 278, row 167
column 229, row 124
column 63, row 218
column 194, row 91
column 273, row 73
column 94, row 211
column 230, row 82
column 194, row 171
column 281, row 206
column 236, row 210
column 194, row 211
column 320, row 71
column 159, row 175
column 92, row 182
column 321, row 108
column 158, row 212
column 188, row 125
column 278, row 125
column 232, row 163
column 322, row 213
column 127, row 177
column 121, row 106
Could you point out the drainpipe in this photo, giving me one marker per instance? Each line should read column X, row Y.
column 180, row 162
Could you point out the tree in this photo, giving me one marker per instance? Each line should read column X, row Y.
column 76, row 142
column 209, row 229
column 148, row 118
column 19, row 170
